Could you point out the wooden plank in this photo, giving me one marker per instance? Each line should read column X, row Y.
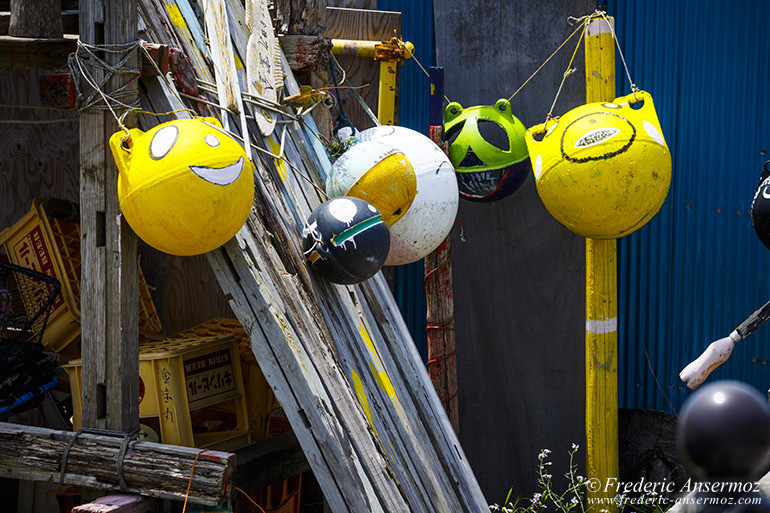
column 118, row 504
column 109, row 312
column 439, row 291
column 18, row 52
column 364, row 25
column 30, row 151
column 601, row 337
column 151, row 469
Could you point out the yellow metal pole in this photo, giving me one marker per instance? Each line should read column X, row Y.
column 386, row 97
column 601, row 296
column 354, row 47
column 390, row 54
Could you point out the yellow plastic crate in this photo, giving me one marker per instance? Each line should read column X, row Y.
column 260, row 400
column 187, row 386
column 52, row 246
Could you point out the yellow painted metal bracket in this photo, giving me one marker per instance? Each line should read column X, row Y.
column 601, row 357
column 390, row 54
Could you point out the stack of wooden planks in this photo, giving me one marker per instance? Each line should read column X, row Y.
column 339, row 358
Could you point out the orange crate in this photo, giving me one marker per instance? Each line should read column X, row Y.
column 281, row 497
column 260, row 400
column 191, row 392
column 52, row 246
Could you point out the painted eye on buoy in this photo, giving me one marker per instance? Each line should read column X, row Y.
column 212, row 140
column 163, row 141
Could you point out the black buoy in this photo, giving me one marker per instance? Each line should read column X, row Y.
column 724, row 433
column 345, row 240
column 760, row 207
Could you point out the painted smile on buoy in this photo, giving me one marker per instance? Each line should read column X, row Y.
column 220, row 176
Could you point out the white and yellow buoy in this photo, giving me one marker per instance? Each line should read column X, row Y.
column 409, row 180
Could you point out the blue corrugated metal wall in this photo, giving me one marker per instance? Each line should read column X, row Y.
column 417, row 27
column 697, row 270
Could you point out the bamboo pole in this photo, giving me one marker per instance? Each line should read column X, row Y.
column 601, row 292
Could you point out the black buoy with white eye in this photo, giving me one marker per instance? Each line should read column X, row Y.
column 724, row 433
column 760, row 207
column 345, row 240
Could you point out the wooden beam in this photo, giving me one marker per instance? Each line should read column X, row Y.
column 269, row 461
column 439, row 289
column 155, row 470
column 601, row 293
column 41, row 18
column 306, row 53
column 109, row 311
column 69, row 21
column 300, row 16
column 18, row 52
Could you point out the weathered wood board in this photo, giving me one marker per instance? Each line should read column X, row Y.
column 339, row 359
column 151, row 469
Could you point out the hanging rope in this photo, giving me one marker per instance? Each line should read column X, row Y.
column 342, row 119
column 544, row 63
column 357, row 96
column 86, row 58
column 583, row 22
column 603, row 15
column 567, row 73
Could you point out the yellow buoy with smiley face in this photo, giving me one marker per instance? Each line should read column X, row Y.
column 603, row 169
column 185, row 187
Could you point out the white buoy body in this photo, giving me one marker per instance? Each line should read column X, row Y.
column 432, row 213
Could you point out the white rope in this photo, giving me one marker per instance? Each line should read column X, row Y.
column 603, row 14
column 85, row 58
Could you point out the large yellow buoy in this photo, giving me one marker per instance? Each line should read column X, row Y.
column 603, row 169
column 185, row 187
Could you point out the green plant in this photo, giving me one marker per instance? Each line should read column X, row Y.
column 574, row 498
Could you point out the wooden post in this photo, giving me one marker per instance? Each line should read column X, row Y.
column 41, row 18
column 109, row 300
column 601, row 292
column 439, row 290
